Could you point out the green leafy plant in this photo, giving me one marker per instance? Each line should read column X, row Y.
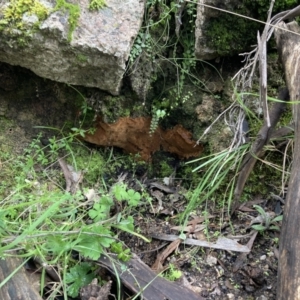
column 78, row 276
column 101, row 209
column 118, row 248
column 50, row 224
column 122, row 193
column 156, row 45
column 267, row 221
column 216, row 169
column 172, row 273
column 141, row 43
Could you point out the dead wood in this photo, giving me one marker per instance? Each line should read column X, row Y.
column 73, row 178
column 244, row 79
column 138, row 277
column 19, row 286
column 257, row 150
column 288, row 286
column 161, row 257
column 222, row 243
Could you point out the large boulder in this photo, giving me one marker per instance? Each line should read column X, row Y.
column 93, row 54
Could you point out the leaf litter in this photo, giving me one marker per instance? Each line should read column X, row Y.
column 214, row 263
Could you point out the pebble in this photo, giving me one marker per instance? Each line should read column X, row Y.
column 230, row 296
column 262, row 297
column 263, row 257
column 211, row 260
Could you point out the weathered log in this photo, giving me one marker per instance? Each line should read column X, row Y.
column 139, row 278
column 19, row 287
column 288, row 287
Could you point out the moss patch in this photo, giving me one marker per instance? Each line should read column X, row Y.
column 230, row 34
column 22, row 17
column 36, row 12
column 97, row 4
column 74, row 13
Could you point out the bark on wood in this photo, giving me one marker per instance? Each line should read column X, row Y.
column 140, row 278
column 288, row 287
column 19, row 287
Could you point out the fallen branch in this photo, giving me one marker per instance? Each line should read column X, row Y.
column 221, row 243
column 257, row 150
column 19, row 286
column 140, row 279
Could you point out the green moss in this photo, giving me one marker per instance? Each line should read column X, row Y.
column 91, row 162
column 225, row 39
column 14, row 18
column 96, row 4
column 230, row 34
column 114, row 107
column 165, row 169
column 82, row 58
column 17, row 8
column 74, row 13
column 260, row 7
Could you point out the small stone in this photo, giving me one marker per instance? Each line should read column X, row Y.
column 266, row 267
column 30, row 19
column 230, row 296
column 262, row 297
column 263, row 257
column 173, row 260
column 211, row 260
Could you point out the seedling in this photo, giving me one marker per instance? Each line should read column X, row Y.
column 266, row 220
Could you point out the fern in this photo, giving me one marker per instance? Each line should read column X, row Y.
column 156, row 116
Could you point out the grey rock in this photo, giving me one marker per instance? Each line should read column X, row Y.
column 202, row 49
column 97, row 54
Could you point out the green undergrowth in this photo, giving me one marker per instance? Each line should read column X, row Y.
column 163, row 53
column 39, row 219
column 219, row 171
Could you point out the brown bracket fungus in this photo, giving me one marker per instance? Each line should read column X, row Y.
column 132, row 135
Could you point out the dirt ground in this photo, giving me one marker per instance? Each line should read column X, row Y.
column 212, row 273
